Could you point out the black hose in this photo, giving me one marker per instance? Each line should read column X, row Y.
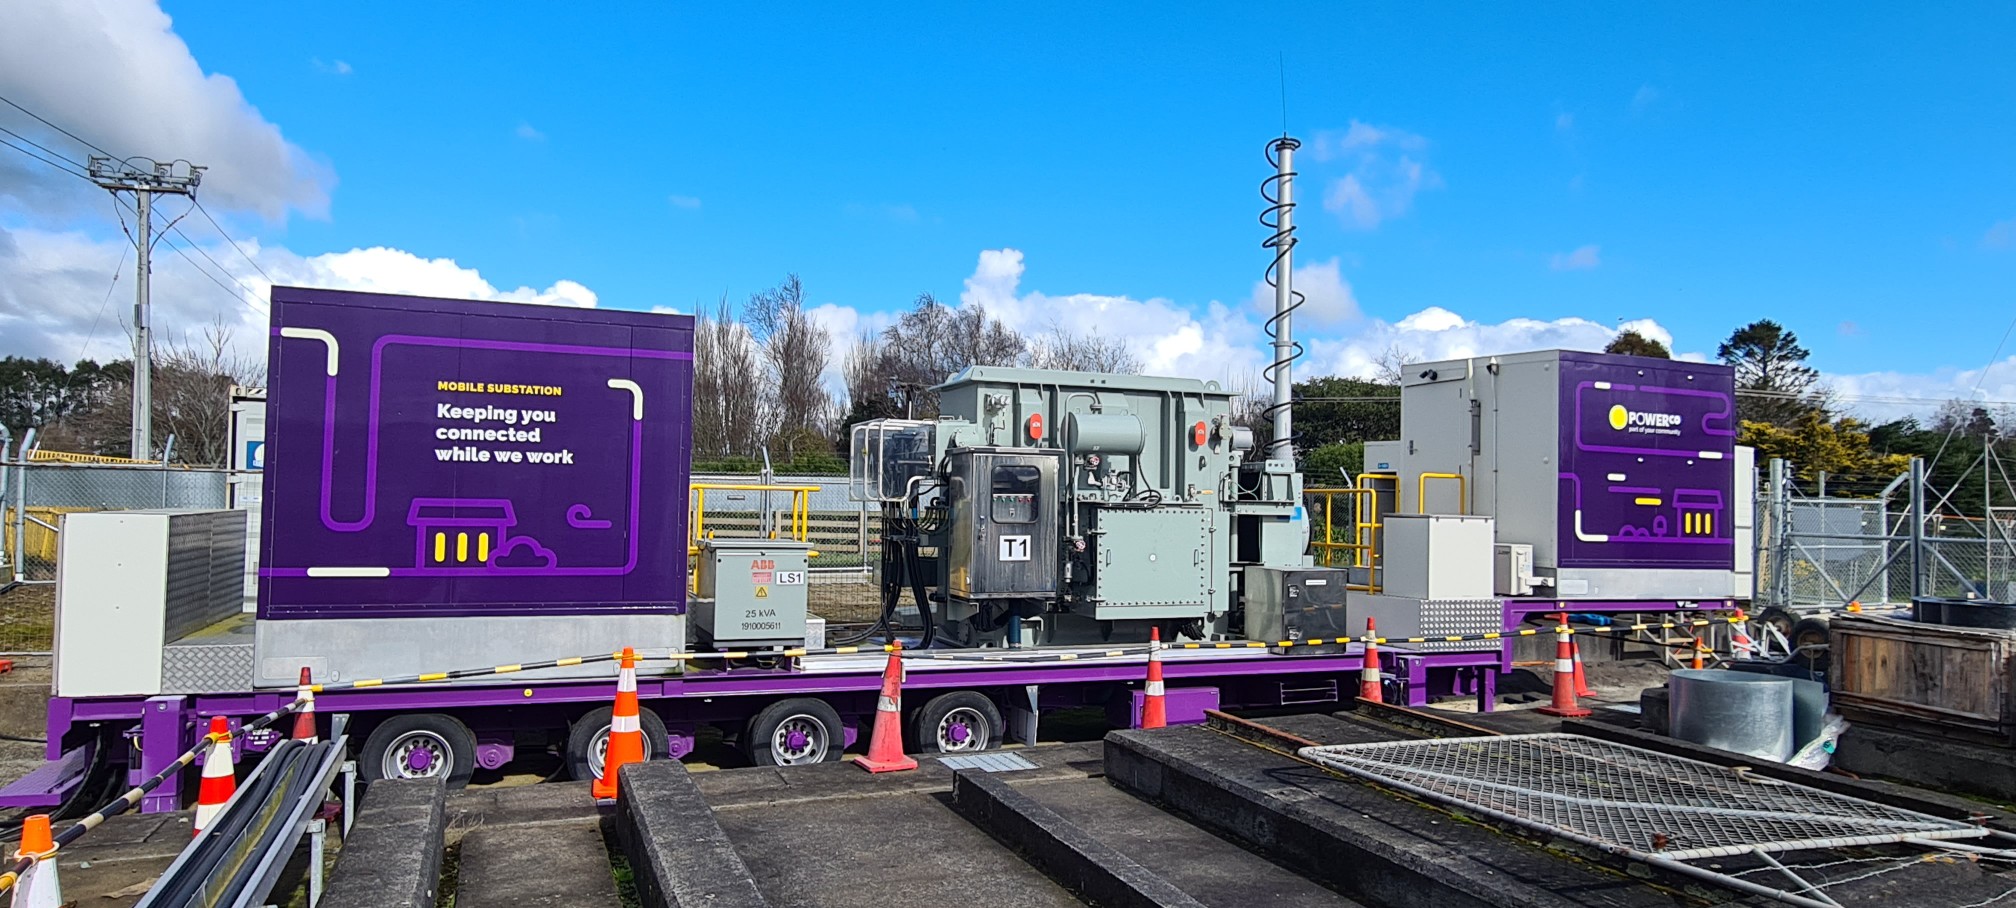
column 912, row 562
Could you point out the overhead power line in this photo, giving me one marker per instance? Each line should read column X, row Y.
column 44, row 121
column 227, row 238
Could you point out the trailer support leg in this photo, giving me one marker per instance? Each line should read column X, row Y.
column 318, row 832
column 161, row 741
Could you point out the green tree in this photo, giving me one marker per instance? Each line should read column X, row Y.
column 1773, row 383
column 1332, row 409
column 37, row 393
column 1631, row 343
column 1813, row 444
column 1333, row 465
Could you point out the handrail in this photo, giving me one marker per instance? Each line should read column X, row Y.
column 1362, row 551
column 1462, row 491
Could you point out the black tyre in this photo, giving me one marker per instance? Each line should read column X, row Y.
column 959, row 722
column 420, row 746
column 1809, row 644
column 795, row 731
column 588, row 741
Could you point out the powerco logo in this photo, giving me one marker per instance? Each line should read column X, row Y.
column 1639, row 421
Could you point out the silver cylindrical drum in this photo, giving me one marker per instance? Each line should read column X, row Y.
column 1747, row 713
column 1103, row 433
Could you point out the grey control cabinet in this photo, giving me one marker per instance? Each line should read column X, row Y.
column 1297, row 604
column 750, row 592
column 1003, row 533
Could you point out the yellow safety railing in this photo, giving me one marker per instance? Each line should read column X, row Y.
column 1327, row 545
column 41, row 456
column 798, row 528
column 1462, row 491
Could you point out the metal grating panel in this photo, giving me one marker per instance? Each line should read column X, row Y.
column 988, row 762
column 206, row 668
column 1467, row 617
column 1645, row 804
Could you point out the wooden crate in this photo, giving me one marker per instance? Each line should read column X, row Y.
column 1930, row 678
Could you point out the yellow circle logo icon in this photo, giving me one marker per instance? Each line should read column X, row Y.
column 1618, row 416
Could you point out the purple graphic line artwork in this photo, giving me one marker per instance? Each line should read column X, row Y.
column 578, row 517
column 432, row 457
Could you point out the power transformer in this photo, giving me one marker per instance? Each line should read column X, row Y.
column 1088, row 506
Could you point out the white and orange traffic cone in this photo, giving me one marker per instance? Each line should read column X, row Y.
column 885, row 743
column 38, row 886
column 220, row 777
column 1581, row 679
column 304, row 718
column 1741, row 647
column 1564, row 676
column 1370, row 687
column 626, row 734
column 1154, row 709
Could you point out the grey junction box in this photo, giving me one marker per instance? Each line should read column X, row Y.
column 750, row 592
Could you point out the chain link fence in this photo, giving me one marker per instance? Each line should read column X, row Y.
column 1826, row 552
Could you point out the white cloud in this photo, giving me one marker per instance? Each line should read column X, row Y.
column 1328, row 299
column 528, row 133
column 1564, row 121
column 2002, row 235
column 334, row 67
column 52, row 285
column 687, row 202
column 1584, row 258
column 1386, row 172
column 116, row 74
column 1644, row 98
column 1879, row 396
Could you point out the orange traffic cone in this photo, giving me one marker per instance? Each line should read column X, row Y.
column 1370, row 689
column 1564, row 676
column 304, row 718
column 1154, row 709
column 220, row 777
column 38, row 886
column 626, row 736
column 885, row 743
column 1700, row 649
column 1581, row 680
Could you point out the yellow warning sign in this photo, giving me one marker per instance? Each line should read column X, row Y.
column 762, row 592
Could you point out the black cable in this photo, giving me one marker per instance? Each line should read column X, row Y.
column 227, row 238
column 79, row 139
column 75, row 173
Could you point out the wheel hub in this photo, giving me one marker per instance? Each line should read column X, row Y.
column 799, row 739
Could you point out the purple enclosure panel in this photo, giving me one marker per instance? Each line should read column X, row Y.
column 1647, row 463
column 443, row 457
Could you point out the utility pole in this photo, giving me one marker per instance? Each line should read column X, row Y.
column 174, row 178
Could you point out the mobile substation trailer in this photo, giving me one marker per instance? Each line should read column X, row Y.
column 452, row 486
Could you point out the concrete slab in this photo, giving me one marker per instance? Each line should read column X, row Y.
column 393, row 856
column 777, row 786
column 902, row 848
column 552, row 865
column 1956, row 766
column 1372, row 846
column 678, row 854
column 1211, row 870
column 1068, row 853
column 527, row 805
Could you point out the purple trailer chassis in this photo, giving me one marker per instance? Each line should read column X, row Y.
column 158, row 729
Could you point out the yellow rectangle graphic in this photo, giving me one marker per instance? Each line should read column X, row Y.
column 1648, row 502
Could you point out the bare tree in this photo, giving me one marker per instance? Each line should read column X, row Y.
column 1060, row 349
column 727, row 406
column 1392, row 363
column 932, row 342
column 191, row 401
column 795, row 351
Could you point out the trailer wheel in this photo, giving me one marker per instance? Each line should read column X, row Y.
column 959, row 722
column 421, row 746
column 796, row 731
column 588, row 741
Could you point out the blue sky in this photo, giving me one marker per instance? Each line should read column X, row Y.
column 1476, row 178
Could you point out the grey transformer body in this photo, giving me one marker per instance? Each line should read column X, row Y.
column 1052, row 507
